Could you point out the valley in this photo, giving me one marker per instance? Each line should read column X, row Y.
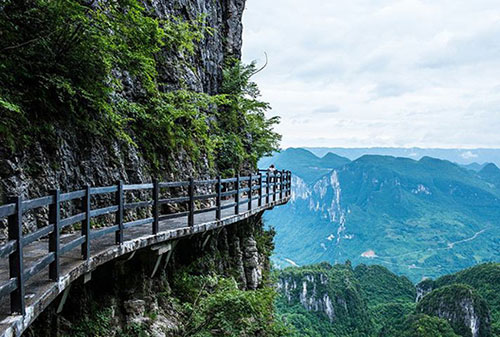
column 421, row 219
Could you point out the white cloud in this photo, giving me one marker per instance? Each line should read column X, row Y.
column 379, row 73
column 468, row 155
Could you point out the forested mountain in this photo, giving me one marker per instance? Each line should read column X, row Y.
column 339, row 300
column 420, row 218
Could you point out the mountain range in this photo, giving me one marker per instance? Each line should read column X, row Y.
column 419, row 218
column 476, row 157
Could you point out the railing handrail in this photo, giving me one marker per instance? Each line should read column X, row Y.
column 280, row 181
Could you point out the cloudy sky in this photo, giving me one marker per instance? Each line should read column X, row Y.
column 359, row 73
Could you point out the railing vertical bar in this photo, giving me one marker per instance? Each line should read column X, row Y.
column 286, row 183
column 250, row 193
column 237, row 195
column 15, row 223
column 218, row 213
column 260, row 189
column 191, row 202
column 156, row 207
column 86, row 224
column 54, row 218
column 268, row 181
column 282, row 183
column 119, row 213
column 275, row 185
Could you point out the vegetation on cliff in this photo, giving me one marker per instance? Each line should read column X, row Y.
column 380, row 303
column 484, row 279
column 459, row 304
column 215, row 306
column 323, row 300
column 92, row 68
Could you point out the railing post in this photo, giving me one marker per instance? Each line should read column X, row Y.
column 86, row 224
column 54, row 218
column 282, row 183
column 218, row 203
column 119, row 213
column 237, row 196
column 289, row 183
column 275, row 185
column 260, row 189
column 268, row 182
column 156, row 207
column 191, row 203
column 16, row 268
column 250, row 192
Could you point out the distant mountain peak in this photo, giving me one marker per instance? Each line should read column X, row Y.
column 490, row 168
column 330, row 155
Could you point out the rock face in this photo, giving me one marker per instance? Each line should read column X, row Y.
column 251, row 263
column 332, row 291
column 467, row 313
column 423, row 288
column 308, row 295
column 76, row 162
column 126, row 296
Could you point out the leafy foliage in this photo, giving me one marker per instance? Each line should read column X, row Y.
column 101, row 323
column 65, row 64
column 367, row 295
column 427, row 326
column 57, row 57
column 339, row 284
column 248, row 134
column 215, row 306
column 451, row 299
column 485, row 279
column 381, row 286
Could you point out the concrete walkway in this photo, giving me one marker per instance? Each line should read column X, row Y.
column 40, row 291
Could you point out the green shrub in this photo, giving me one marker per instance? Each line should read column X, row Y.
column 63, row 65
column 215, row 306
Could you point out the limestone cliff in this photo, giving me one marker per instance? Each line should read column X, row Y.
column 136, row 297
column 73, row 160
column 330, row 293
column 467, row 313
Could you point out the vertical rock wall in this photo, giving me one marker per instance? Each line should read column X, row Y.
column 79, row 160
column 132, row 297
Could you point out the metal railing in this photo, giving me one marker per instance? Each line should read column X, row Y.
column 271, row 186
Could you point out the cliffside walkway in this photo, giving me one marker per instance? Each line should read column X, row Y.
column 37, row 267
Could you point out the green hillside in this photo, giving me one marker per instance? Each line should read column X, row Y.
column 458, row 303
column 420, row 218
column 485, row 279
column 491, row 174
column 384, row 304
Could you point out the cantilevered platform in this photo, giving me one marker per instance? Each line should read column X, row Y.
column 39, row 284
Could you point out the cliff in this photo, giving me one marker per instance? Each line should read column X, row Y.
column 324, row 300
column 92, row 92
column 63, row 135
column 467, row 313
column 483, row 282
column 201, row 287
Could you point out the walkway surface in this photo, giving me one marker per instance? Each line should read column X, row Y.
column 40, row 291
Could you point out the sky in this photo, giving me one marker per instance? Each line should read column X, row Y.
column 364, row 73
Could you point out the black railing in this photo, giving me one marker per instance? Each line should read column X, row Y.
column 225, row 189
